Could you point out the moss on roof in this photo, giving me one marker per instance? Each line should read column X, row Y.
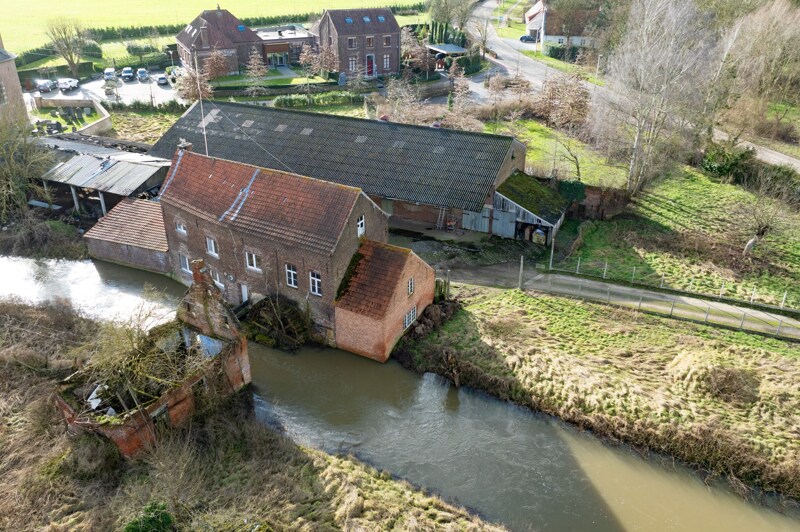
column 533, row 195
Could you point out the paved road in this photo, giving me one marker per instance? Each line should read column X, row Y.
column 129, row 91
column 692, row 308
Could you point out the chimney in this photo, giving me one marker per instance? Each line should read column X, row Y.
column 198, row 269
column 203, row 35
column 185, row 145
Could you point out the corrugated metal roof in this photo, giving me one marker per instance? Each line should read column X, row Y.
column 433, row 166
column 121, row 174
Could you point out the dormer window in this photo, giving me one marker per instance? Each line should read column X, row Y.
column 381, row 18
column 366, row 20
column 348, row 20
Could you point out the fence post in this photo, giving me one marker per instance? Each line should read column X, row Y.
column 662, row 280
column 605, row 269
column 578, row 267
column 783, row 301
column 671, row 308
column 447, row 286
column 639, row 306
column 633, row 275
column 780, row 324
column 741, row 323
column 708, row 309
column 722, row 290
column 608, row 294
column 753, row 295
column 521, row 265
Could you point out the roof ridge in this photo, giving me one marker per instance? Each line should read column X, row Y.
column 325, row 116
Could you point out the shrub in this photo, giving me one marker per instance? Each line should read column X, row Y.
column 563, row 53
column 92, row 49
column 323, row 99
column 723, row 162
column 139, row 48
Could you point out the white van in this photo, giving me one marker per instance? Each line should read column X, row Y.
column 109, row 74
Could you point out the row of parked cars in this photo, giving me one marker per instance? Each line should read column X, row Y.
column 127, row 74
column 63, row 84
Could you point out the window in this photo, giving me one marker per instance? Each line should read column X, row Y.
column 353, row 64
column 211, row 247
column 352, row 43
column 370, row 42
column 180, row 227
column 381, row 18
column 410, row 317
column 184, row 262
column 387, row 61
column 560, row 40
column 387, row 40
column 316, row 283
column 216, row 279
column 348, row 20
column 330, row 40
column 411, row 286
column 366, row 20
column 361, row 225
column 291, row 275
column 253, row 262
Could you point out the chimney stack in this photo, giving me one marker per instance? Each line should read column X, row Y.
column 185, row 145
column 203, row 35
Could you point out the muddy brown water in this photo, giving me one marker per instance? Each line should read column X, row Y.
column 524, row 470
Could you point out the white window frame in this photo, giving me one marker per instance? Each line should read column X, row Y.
column 212, row 248
column 352, row 63
column 315, row 283
column 253, row 264
column 184, row 261
column 291, row 275
column 387, row 61
column 361, row 226
column 367, row 39
column 217, row 280
column 410, row 317
column 354, row 42
column 410, row 285
column 180, row 227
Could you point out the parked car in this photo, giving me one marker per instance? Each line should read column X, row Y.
column 109, row 74
column 161, row 79
column 67, row 84
column 127, row 74
column 142, row 74
column 527, row 38
column 45, row 85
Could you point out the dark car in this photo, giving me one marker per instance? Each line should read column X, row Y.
column 45, row 85
column 527, row 38
column 127, row 74
column 142, row 75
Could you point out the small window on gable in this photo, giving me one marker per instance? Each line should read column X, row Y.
column 387, row 40
column 361, row 226
column 291, row 275
column 180, row 227
column 184, row 262
column 410, row 286
column 253, row 261
column 212, row 247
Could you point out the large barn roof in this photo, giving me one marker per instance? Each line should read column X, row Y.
column 280, row 206
column 433, row 166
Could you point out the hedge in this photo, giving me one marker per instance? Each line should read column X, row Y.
column 85, row 69
column 563, row 53
column 172, row 106
column 327, row 98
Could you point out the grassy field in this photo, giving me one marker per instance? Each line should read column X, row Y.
column 141, row 126
column 563, row 66
column 227, row 471
column 684, row 228
column 112, row 51
column 26, row 28
column 542, row 146
column 725, row 401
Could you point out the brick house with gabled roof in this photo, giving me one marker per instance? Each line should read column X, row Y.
column 388, row 287
column 265, row 231
column 220, row 29
column 367, row 39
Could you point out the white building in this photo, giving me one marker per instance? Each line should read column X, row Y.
column 547, row 27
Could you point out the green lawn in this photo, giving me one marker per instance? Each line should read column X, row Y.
column 511, row 27
column 112, row 51
column 684, row 229
column 563, row 66
column 44, row 114
column 542, row 146
column 792, row 117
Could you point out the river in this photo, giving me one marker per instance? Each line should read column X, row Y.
column 525, row 470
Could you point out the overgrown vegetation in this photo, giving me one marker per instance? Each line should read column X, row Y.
column 225, row 471
column 141, row 126
column 277, row 321
column 723, row 401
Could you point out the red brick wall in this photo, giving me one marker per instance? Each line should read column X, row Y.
column 135, row 257
column 273, row 256
column 600, row 204
column 376, row 339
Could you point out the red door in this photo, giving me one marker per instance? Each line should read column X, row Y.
column 370, row 65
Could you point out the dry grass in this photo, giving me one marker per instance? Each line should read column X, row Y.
column 225, row 472
column 141, row 126
column 725, row 401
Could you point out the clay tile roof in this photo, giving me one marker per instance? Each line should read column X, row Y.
column 375, row 279
column 270, row 204
column 134, row 222
column 225, row 31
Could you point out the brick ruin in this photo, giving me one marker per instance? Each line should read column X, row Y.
column 207, row 324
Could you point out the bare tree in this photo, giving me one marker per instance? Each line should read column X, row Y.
column 766, row 213
column 460, row 116
column 480, row 34
column 403, row 103
column 497, row 88
column 216, row 64
column 657, row 77
column 68, row 38
column 564, row 101
column 327, row 60
column 23, row 161
column 442, row 10
column 194, row 85
column 462, row 12
column 255, row 70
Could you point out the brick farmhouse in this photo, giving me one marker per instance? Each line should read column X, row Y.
column 217, row 29
column 264, row 232
column 425, row 175
column 365, row 40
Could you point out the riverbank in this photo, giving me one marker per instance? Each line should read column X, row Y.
column 725, row 402
column 226, row 471
column 42, row 239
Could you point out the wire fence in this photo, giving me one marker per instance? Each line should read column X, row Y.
column 697, row 310
column 700, row 286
